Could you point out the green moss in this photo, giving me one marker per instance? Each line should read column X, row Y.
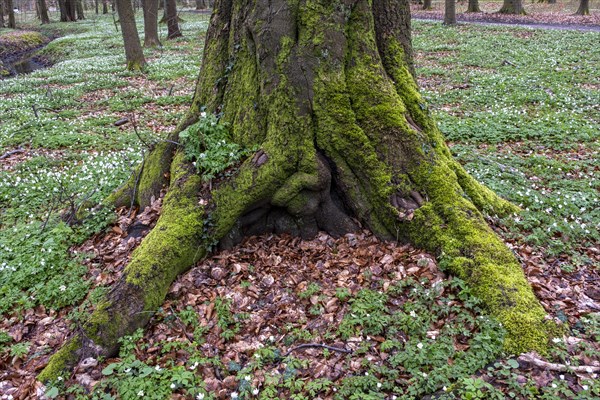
column 176, row 241
column 154, row 173
column 60, row 363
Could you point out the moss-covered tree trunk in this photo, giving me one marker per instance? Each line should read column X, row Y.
column 323, row 90
column 512, row 7
column 584, row 8
column 134, row 54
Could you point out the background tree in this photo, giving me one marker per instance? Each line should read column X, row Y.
column 584, row 8
column 104, row 6
column 79, row 9
column 512, row 7
column 43, row 10
column 172, row 18
column 10, row 10
column 1, row 14
column 427, row 5
column 150, row 8
column 67, row 10
column 201, row 4
column 323, row 91
column 450, row 12
column 473, row 6
column 133, row 48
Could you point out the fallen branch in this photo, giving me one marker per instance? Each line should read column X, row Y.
column 10, row 153
column 531, row 358
column 323, row 346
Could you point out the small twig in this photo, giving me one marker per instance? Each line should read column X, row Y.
column 171, row 90
column 134, row 123
column 530, row 358
column 10, row 153
column 319, row 345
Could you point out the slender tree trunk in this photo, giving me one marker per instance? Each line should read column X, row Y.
column 512, row 7
column 201, row 4
column 79, row 9
column 133, row 48
column 584, row 8
column 172, row 20
column 97, row 6
column 324, row 91
column 427, row 5
column 473, row 6
column 450, row 12
column 43, row 8
column 151, row 23
column 1, row 14
column 104, row 6
column 11, row 14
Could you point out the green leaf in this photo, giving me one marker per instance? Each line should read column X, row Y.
column 109, row 369
column 513, row 363
column 52, row 392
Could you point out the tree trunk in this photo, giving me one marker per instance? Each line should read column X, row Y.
column 43, row 8
column 79, row 9
column 427, row 5
column 172, row 20
column 104, row 6
column 10, row 9
column 324, row 91
column 1, row 14
column 151, row 23
column 473, row 6
column 584, row 8
column 512, row 7
column 450, row 12
column 133, row 49
column 201, row 4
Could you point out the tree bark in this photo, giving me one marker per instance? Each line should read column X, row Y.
column 104, row 6
column 324, row 91
column 584, row 8
column 201, row 5
column 11, row 14
column 151, row 23
column 172, row 18
column 133, row 49
column 79, row 9
column 473, row 6
column 512, row 7
column 450, row 12
column 43, row 9
column 427, row 5
column 1, row 14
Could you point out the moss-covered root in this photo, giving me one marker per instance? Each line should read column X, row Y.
column 148, row 180
column 172, row 247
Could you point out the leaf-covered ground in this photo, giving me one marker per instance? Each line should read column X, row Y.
column 278, row 317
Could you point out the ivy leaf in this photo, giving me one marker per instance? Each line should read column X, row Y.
column 52, row 393
column 513, row 363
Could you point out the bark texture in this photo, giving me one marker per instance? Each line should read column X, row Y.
column 450, row 12
column 512, row 7
column 427, row 5
column 43, row 10
column 172, row 18
column 151, row 23
column 324, row 90
column 133, row 49
column 584, row 8
column 473, row 6
column 11, row 14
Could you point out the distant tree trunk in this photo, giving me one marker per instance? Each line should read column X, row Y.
column 67, row 10
column 172, row 20
column 584, row 8
column 133, row 48
column 512, row 7
column 11, row 14
column 150, row 23
column 201, row 4
column 427, row 5
column 79, row 9
column 97, row 6
column 43, row 9
column 1, row 14
column 473, row 6
column 450, row 12
column 104, row 6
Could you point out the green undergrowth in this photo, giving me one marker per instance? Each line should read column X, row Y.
column 521, row 108
column 63, row 119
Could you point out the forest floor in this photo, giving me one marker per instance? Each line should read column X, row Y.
column 280, row 317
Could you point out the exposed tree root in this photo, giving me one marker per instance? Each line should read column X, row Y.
column 329, row 99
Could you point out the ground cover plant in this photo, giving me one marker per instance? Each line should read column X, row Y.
column 524, row 119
